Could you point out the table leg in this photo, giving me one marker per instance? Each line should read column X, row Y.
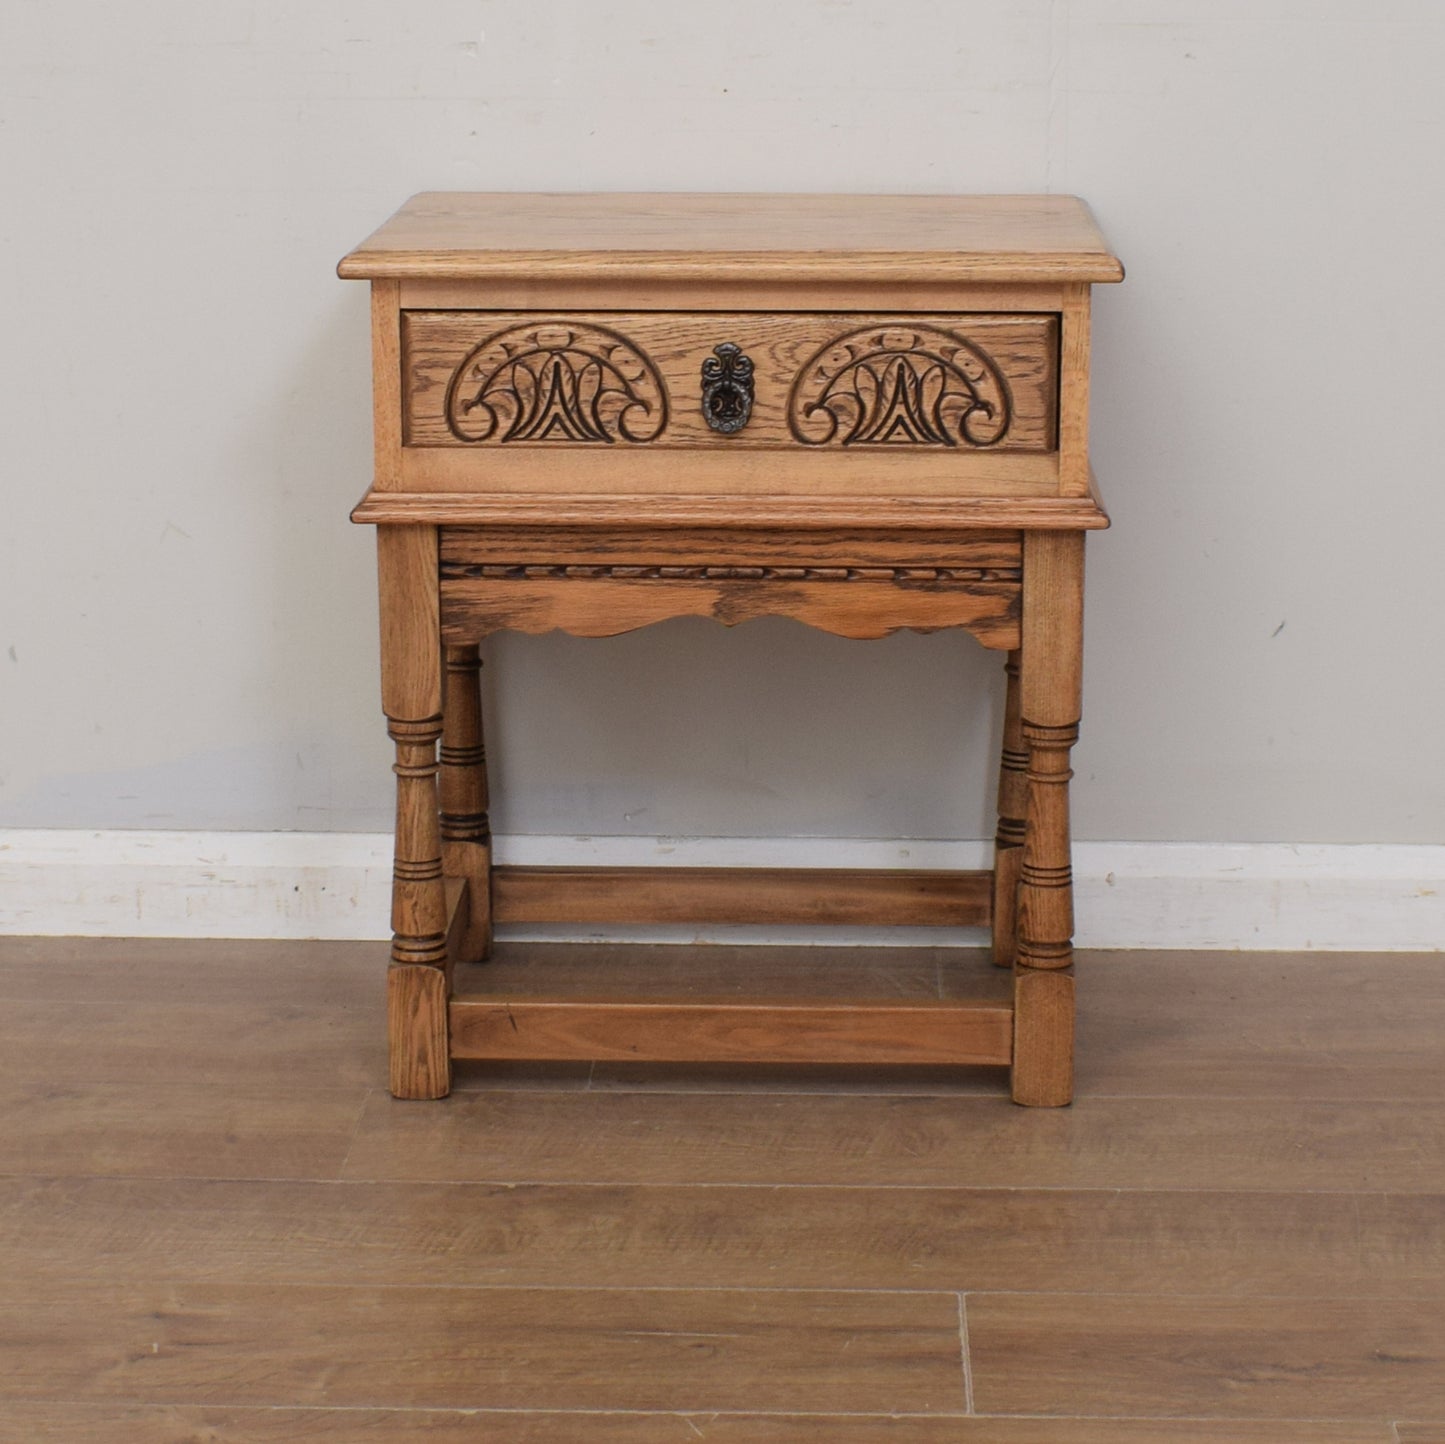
column 1013, row 789
column 417, row 981
column 1050, row 687
column 466, row 834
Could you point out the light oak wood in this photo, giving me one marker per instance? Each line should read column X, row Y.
column 416, row 999
column 450, row 356
column 1073, row 429
column 411, row 688
column 1050, row 679
column 724, row 1030
column 386, row 399
column 1043, row 1046
column 466, row 547
column 848, row 897
column 671, row 474
column 465, row 800
column 648, row 513
column 411, row 679
column 1012, row 817
column 530, row 293
column 546, row 388
column 646, row 238
column 853, row 605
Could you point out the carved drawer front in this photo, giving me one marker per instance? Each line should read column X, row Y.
column 494, row 399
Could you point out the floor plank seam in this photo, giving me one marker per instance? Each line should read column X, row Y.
column 838, row 1185
column 708, row 1411
column 206, row 1280
column 780, row 1185
column 991, row 1095
column 964, row 1354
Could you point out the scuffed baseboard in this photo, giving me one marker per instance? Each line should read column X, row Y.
column 1263, row 896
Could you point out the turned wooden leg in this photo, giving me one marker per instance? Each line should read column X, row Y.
column 1049, row 691
column 1013, row 789
column 411, row 685
column 466, row 834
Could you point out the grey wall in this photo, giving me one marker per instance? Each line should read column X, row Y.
column 187, row 625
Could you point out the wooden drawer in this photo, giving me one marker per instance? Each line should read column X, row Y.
column 834, row 402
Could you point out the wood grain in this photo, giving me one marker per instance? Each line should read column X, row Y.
column 1203, row 1357
column 531, row 293
column 182, row 972
column 411, row 675
column 652, row 237
column 1022, row 350
column 1073, row 429
column 132, row 1040
column 719, row 509
column 494, row 1348
column 749, row 1136
column 1043, row 1047
column 464, row 546
column 180, row 1424
column 416, row 1010
column 386, row 383
column 608, row 606
column 842, row 896
column 822, row 477
column 75, row 1126
column 1316, row 1027
column 727, row 1030
column 189, row 1252
column 1237, row 1245
column 1012, row 809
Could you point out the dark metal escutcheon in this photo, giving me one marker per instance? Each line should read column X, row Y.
column 727, row 388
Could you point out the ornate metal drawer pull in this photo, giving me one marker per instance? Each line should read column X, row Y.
column 727, row 388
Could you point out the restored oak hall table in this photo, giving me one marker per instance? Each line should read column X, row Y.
column 593, row 413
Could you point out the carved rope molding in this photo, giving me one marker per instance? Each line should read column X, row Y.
column 899, row 384
column 556, row 381
column 527, row 571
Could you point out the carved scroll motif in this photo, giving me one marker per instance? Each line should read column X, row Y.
column 556, row 381
column 890, row 385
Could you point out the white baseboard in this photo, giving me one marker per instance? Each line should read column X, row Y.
column 336, row 885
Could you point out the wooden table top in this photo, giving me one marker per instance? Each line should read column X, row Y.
column 470, row 235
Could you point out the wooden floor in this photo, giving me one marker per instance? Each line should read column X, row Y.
column 216, row 1225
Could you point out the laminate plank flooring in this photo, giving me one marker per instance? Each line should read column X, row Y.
column 1092, row 1354
column 140, row 1424
column 1242, row 1245
column 979, row 1142
column 214, row 1224
column 418, row 1347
